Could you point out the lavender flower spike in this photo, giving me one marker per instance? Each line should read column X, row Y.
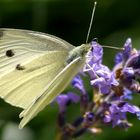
column 112, row 91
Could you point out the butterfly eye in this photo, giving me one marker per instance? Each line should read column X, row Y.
column 19, row 67
column 9, row 53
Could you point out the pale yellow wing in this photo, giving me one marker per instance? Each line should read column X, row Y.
column 29, row 61
column 56, row 87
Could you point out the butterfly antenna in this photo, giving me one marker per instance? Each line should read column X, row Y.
column 112, row 47
column 91, row 21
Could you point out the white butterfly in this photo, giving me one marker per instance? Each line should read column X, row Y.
column 35, row 68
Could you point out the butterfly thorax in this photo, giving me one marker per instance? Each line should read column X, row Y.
column 79, row 51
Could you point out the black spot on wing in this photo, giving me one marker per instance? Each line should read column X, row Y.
column 19, row 67
column 9, row 53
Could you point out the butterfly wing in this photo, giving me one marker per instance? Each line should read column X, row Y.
column 56, row 86
column 29, row 61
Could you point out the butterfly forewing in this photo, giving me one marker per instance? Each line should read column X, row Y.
column 29, row 61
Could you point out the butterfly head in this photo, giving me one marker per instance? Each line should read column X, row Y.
column 79, row 51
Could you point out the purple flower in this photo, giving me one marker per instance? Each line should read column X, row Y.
column 64, row 99
column 112, row 89
column 101, row 84
column 128, row 68
column 114, row 115
column 123, row 56
column 96, row 54
column 100, row 75
column 128, row 72
column 118, row 58
column 134, row 61
column 88, row 119
column 117, row 113
column 127, row 94
column 94, row 59
column 130, row 108
column 127, row 49
column 78, row 83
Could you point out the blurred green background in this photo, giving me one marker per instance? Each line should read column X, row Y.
column 114, row 22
